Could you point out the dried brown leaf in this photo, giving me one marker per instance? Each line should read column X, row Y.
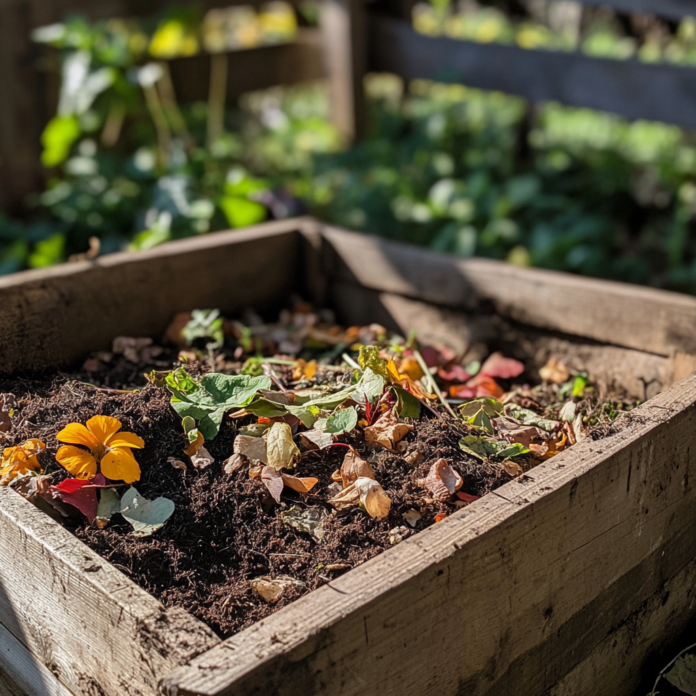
column 273, row 480
column 202, row 459
column 387, row 431
column 554, row 372
column 251, row 447
column 442, row 480
column 176, row 463
column 354, row 467
column 270, row 589
column 234, row 463
column 301, row 485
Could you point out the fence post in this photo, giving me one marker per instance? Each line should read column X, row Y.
column 342, row 25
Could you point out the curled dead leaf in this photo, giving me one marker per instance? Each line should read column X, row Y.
column 251, row 447
column 273, row 480
column 234, row 463
column 442, row 480
column 412, row 517
column 387, row 431
column 177, row 463
column 354, row 467
column 367, row 493
column 301, row 485
column 202, row 459
column 413, row 458
column 512, row 468
column 194, row 446
column 280, row 447
column 554, row 372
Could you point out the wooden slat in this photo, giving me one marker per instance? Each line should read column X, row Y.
column 90, row 625
column 636, row 317
column 509, row 595
column 671, row 9
column 253, row 68
column 22, row 674
column 84, row 305
column 629, row 88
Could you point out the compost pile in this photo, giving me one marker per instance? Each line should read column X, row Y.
column 242, row 464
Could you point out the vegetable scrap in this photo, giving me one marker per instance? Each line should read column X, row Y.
column 270, row 457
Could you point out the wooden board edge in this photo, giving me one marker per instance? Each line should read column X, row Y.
column 55, row 587
column 243, row 659
column 601, row 310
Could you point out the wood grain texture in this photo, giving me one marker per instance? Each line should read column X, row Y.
column 645, row 319
column 509, row 595
column 54, row 317
column 84, row 620
column 22, row 674
column 657, row 92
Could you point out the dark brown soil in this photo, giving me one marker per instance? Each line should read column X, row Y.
column 226, row 529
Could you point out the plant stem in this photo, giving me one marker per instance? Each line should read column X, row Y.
column 154, row 105
column 171, row 108
column 351, row 362
column 433, row 383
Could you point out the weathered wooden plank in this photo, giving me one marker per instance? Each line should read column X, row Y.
column 655, row 321
column 507, row 596
column 83, row 619
column 21, row 674
column 251, row 69
column 56, row 316
column 343, row 44
column 657, row 92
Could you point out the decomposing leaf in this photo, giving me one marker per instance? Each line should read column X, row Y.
column 512, row 468
column 498, row 365
column 251, row 448
column 234, row 463
column 176, row 463
column 527, row 417
column 567, row 413
column 270, row 589
column 272, row 479
column 80, row 494
column 442, row 480
column 202, row 459
column 373, row 497
column 512, row 430
column 387, row 431
column 479, row 412
column 412, row 517
column 336, row 567
column 301, row 485
column 413, row 458
column 109, row 505
column 578, row 430
column 135, row 350
column 316, row 439
column 304, row 370
column 484, row 447
column 398, row 534
column 683, row 674
column 353, row 468
column 554, row 372
column 146, row 516
column 408, row 406
column 280, row 447
column 310, row 520
column 467, row 497
column 341, row 421
column 8, row 402
column 369, row 358
column 371, row 386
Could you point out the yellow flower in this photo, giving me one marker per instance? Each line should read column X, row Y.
column 108, row 448
column 20, row 459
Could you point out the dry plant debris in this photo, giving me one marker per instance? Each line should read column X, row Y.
column 273, row 456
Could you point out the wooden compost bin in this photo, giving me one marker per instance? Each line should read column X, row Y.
column 568, row 580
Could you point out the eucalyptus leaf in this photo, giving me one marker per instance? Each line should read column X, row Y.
column 146, row 516
column 109, row 504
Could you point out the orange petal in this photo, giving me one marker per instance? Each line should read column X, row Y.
column 119, row 465
column 77, row 434
column 33, row 446
column 103, row 427
column 81, row 464
column 126, row 440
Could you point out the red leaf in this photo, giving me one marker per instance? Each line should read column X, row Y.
column 485, row 386
column 456, row 373
column 73, row 492
column 430, row 356
column 466, row 497
column 462, row 391
column 499, row 366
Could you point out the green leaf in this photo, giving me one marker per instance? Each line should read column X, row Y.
column 341, row 421
column 527, row 417
column 204, row 323
column 408, row 406
column 478, row 412
column 146, row 516
column 370, row 386
column 683, row 674
column 369, row 357
column 484, row 447
column 48, row 252
column 109, row 503
column 304, row 413
column 264, row 408
column 216, row 394
column 241, row 212
column 57, row 139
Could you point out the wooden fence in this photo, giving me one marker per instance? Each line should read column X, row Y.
column 355, row 38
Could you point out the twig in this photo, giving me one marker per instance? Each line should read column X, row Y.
column 351, row 362
column 216, row 97
column 433, row 383
column 269, row 371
